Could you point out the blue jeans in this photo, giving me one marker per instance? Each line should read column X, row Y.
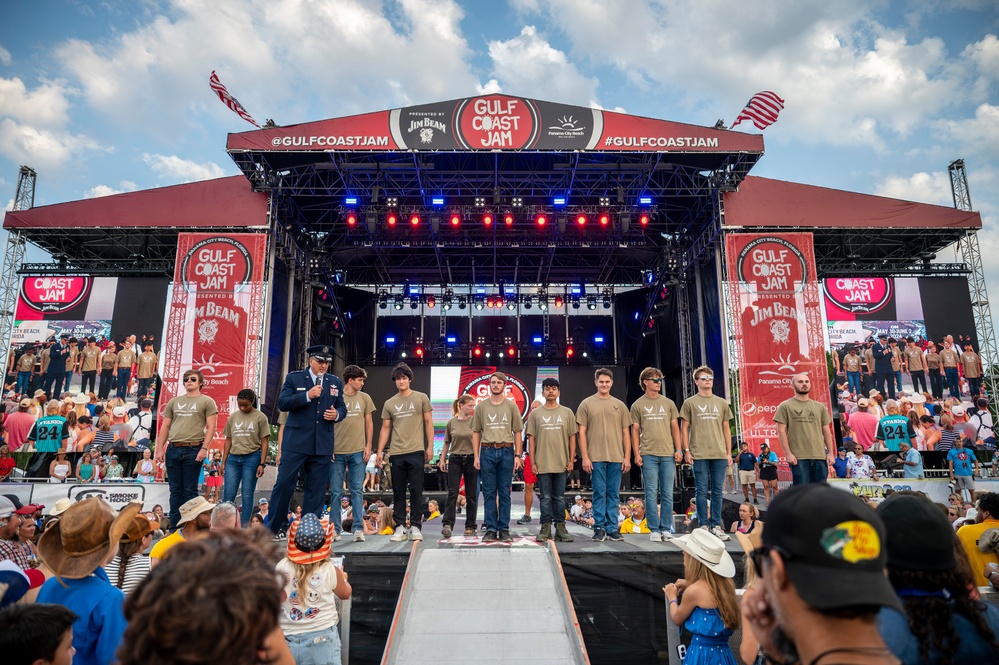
column 854, row 380
column 182, row 469
column 551, row 487
column 496, row 473
column 66, row 382
column 341, row 463
column 974, row 385
column 898, row 379
column 144, row 386
column 658, row 475
column 123, row 377
column 320, row 647
column 241, row 470
column 953, row 383
column 23, row 381
column 709, row 476
column 809, row 471
column 606, row 483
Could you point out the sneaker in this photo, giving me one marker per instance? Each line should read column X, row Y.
column 490, row 537
column 399, row 535
column 281, row 535
column 562, row 534
column 599, row 535
column 718, row 531
column 505, row 536
column 358, row 536
column 415, row 534
column 666, row 536
column 526, row 519
column 470, row 531
column 615, row 535
column 336, row 536
column 754, row 500
column 545, row 534
column 656, row 537
column 446, row 531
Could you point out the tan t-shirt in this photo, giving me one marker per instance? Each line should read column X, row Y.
column 189, row 417
column 709, row 436
column 654, row 416
column 147, row 365
column 108, row 360
column 126, row 358
column 851, row 363
column 805, row 423
column 26, row 363
column 348, row 434
column 91, row 357
column 72, row 354
column 914, row 356
column 458, row 437
column 869, row 359
column 969, row 360
column 933, row 361
column 605, row 421
column 551, row 429
column 43, row 358
column 246, row 431
column 497, row 422
column 406, row 414
column 896, row 359
column 949, row 357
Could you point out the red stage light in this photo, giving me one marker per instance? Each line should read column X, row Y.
column 511, row 352
column 455, row 220
column 499, row 302
column 392, row 219
column 414, row 220
column 569, row 352
column 541, row 220
column 508, row 220
column 604, row 219
column 487, row 219
column 477, row 351
column 558, row 302
column 644, row 220
column 581, row 220
column 431, row 301
column 490, row 302
column 351, row 219
column 419, row 352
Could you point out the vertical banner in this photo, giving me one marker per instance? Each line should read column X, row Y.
column 214, row 319
column 777, row 314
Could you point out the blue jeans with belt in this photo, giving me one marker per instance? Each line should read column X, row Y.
column 342, row 464
column 953, row 381
column 658, row 476
column 709, row 477
column 319, row 647
column 496, row 473
column 124, row 375
column 606, row 483
column 809, row 472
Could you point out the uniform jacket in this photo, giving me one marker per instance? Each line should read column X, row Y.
column 306, row 431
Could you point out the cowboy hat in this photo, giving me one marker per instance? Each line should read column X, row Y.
column 136, row 529
column 80, row 540
column 191, row 509
column 81, row 398
column 709, row 550
column 62, row 504
column 309, row 540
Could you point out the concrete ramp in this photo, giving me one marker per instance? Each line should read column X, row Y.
column 483, row 605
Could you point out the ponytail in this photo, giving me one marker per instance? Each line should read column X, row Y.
column 456, row 405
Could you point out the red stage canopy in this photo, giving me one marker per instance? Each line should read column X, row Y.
column 761, row 202
column 226, row 202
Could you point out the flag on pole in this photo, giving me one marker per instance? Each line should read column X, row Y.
column 229, row 100
column 763, row 109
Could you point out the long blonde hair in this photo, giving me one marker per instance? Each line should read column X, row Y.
column 303, row 571
column 385, row 518
column 722, row 590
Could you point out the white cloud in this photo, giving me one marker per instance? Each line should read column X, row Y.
column 528, row 65
column 46, row 106
column 42, row 148
column 5, row 58
column 978, row 135
column 178, row 170
column 106, row 190
column 921, row 187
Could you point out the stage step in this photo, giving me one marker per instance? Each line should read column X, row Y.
column 485, row 604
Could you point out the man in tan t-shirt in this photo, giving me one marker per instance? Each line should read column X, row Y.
column 949, row 359
column 25, row 371
column 123, row 368
column 147, row 363
column 655, row 433
column 551, row 436
column 351, row 449
column 497, row 446
column 971, row 363
column 853, row 366
column 71, row 365
column 90, row 356
column 915, row 364
column 605, row 447
column 804, row 428
column 705, row 438
column 408, row 418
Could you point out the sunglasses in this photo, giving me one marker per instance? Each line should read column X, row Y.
column 659, row 380
column 191, row 379
column 706, row 378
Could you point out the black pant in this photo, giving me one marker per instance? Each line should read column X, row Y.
column 407, row 470
column 316, row 472
column 107, row 376
column 458, row 467
column 918, row 378
column 53, row 384
column 936, row 383
column 89, row 376
column 881, row 378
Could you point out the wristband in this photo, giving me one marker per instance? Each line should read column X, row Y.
column 674, row 602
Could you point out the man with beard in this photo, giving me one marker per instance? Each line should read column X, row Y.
column 12, row 516
column 498, row 449
column 195, row 517
column 805, row 432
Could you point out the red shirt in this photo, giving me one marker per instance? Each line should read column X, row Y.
column 18, row 426
column 7, row 465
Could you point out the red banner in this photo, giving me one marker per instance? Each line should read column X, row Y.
column 214, row 323
column 776, row 302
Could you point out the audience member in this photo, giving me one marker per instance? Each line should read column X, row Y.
column 970, row 535
column 130, row 566
column 224, row 516
column 637, row 522
column 195, row 517
column 35, row 634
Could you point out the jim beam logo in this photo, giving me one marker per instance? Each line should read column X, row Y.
column 425, row 127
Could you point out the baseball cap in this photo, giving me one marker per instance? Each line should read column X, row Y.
column 957, row 410
column 26, row 402
column 863, row 401
column 261, row 502
column 882, row 336
column 21, row 508
column 578, row 497
column 833, row 546
column 7, row 507
column 119, row 411
column 919, row 535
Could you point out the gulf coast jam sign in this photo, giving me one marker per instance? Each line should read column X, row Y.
column 857, row 295
column 220, row 264
column 53, row 295
column 475, row 382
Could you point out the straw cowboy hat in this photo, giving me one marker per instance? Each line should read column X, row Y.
column 63, row 504
column 708, row 549
column 81, row 539
column 81, row 398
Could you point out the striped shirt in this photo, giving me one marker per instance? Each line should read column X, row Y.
column 947, row 439
column 136, row 570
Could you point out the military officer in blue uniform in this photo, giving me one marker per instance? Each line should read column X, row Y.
column 313, row 399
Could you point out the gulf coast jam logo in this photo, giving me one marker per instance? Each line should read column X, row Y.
column 478, row 387
column 772, row 266
column 217, row 264
column 496, row 122
column 858, row 295
column 52, row 295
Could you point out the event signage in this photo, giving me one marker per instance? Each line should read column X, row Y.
column 214, row 321
column 496, row 122
column 54, row 295
column 857, row 294
column 778, row 326
column 475, row 382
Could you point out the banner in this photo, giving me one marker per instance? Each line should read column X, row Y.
column 937, row 489
column 777, row 316
column 118, row 495
column 214, row 321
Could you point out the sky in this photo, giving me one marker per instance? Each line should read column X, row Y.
column 108, row 97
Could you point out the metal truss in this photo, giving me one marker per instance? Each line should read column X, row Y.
column 10, row 284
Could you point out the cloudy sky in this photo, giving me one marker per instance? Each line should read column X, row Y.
column 105, row 97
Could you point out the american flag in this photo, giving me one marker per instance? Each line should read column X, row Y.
column 229, row 100
column 762, row 109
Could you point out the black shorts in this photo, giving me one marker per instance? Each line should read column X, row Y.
column 768, row 473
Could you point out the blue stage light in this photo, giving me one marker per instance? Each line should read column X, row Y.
column 558, row 201
column 437, row 200
column 350, row 201
column 538, row 339
column 451, row 339
column 599, row 339
column 645, row 200
column 390, row 340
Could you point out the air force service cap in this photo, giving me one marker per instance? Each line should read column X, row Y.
column 320, row 352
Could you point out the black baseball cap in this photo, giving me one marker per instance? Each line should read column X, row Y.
column 919, row 535
column 833, row 545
